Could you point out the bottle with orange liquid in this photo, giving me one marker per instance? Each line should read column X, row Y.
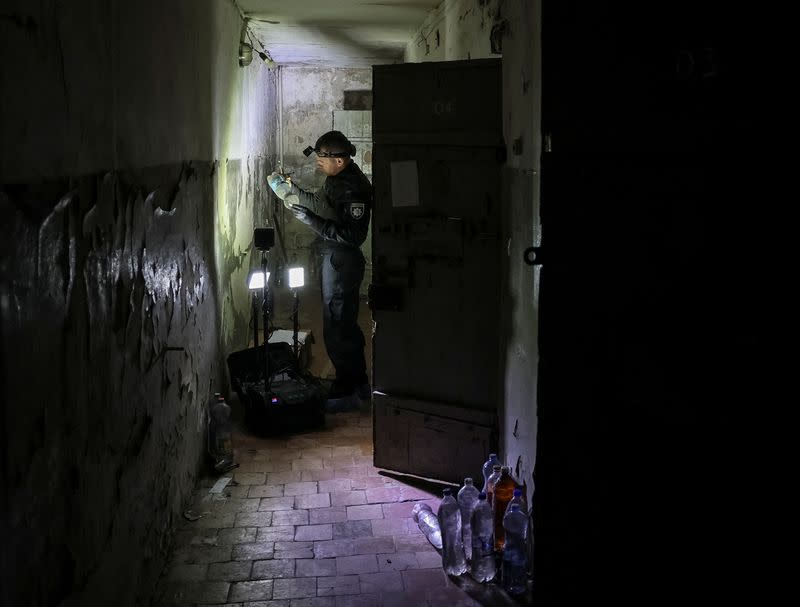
column 503, row 492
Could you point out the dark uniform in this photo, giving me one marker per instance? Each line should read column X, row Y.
column 349, row 196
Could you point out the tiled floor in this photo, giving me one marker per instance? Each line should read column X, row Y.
column 308, row 522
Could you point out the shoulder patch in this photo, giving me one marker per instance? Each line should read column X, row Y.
column 356, row 210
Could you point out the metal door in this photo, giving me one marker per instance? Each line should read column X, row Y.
column 436, row 257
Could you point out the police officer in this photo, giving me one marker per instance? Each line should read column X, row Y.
column 345, row 197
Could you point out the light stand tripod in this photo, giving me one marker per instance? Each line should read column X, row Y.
column 296, row 280
column 255, row 320
column 265, row 309
column 264, row 239
column 295, row 325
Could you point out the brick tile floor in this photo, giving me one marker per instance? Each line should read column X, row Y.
column 307, row 521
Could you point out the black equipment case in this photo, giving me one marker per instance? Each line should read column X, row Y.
column 294, row 401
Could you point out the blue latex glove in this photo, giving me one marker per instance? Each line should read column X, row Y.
column 303, row 214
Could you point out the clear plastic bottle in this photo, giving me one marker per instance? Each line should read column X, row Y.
column 490, row 482
column 453, row 559
column 428, row 524
column 220, row 435
column 283, row 189
column 503, row 492
column 488, row 467
column 483, row 567
column 517, row 499
column 515, row 566
column 467, row 500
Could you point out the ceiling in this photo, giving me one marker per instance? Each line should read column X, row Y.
column 335, row 33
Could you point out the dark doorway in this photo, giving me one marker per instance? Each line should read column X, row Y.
column 647, row 326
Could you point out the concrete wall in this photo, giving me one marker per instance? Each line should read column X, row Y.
column 521, row 128
column 456, row 29
column 132, row 156
column 309, row 96
column 464, row 28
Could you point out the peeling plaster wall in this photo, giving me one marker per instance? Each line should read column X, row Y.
column 464, row 28
column 244, row 143
column 309, row 97
column 521, row 130
column 455, row 30
column 133, row 153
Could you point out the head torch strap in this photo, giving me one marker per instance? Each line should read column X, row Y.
column 309, row 150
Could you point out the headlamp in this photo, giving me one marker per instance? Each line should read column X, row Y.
column 309, row 150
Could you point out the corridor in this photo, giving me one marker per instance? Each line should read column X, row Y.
column 307, row 521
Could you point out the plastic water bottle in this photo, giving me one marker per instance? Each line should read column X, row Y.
column 515, row 565
column 483, row 568
column 503, row 491
column 517, row 499
column 490, row 483
column 453, row 559
column 283, row 189
column 220, row 435
column 284, row 192
column 467, row 500
column 428, row 524
column 488, row 467
column 279, row 184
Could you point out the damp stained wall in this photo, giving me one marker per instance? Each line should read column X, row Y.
column 309, row 96
column 132, row 157
column 519, row 20
column 453, row 31
column 459, row 30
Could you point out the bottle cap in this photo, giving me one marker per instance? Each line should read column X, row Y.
column 492, row 455
column 496, row 467
column 447, row 491
column 517, row 492
column 481, row 496
column 468, row 480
